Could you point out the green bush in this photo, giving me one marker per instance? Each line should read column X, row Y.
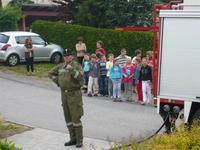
column 9, row 17
column 182, row 139
column 66, row 36
column 8, row 145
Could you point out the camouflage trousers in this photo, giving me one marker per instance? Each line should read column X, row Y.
column 73, row 111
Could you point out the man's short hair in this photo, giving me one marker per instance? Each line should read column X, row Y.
column 103, row 56
column 100, row 42
column 93, row 56
column 138, row 51
column 123, row 50
column 110, row 54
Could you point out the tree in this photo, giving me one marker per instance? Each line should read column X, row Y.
column 91, row 13
column 19, row 3
column 0, row 3
column 67, row 8
column 116, row 13
column 9, row 18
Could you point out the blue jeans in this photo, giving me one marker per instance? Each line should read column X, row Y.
column 103, row 86
column 116, row 88
column 86, row 77
column 110, row 87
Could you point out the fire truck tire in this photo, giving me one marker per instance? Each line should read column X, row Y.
column 196, row 117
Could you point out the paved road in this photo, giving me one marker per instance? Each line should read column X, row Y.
column 31, row 102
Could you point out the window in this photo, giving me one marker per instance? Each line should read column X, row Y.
column 4, row 38
column 37, row 40
column 20, row 39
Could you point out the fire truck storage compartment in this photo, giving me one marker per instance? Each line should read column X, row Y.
column 179, row 66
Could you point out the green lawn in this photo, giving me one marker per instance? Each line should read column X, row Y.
column 41, row 69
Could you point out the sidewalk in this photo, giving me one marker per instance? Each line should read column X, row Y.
column 42, row 139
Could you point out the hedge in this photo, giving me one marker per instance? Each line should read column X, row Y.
column 66, row 36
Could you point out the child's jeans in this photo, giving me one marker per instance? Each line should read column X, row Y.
column 146, row 90
column 110, row 87
column 103, row 90
column 93, row 86
column 116, row 88
column 86, row 77
column 128, row 93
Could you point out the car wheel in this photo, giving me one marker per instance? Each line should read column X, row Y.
column 56, row 58
column 13, row 60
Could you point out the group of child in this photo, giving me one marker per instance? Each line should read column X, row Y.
column 118, row 74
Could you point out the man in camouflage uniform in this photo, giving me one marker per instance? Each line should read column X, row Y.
column 69, row 77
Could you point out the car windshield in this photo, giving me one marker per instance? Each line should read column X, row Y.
column 4, row 38
column 37, row 40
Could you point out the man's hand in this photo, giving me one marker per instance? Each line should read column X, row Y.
column 69, row 67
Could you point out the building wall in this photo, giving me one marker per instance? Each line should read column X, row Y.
column 5, row 2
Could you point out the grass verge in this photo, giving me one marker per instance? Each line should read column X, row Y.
column 41, row 69
column 8, row 128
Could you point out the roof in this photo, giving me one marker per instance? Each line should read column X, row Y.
column 39, row 7
column 19, row 33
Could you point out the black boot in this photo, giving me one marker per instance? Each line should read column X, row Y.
column 79, row 136
column 71, row 142
column 79, row 143
column 72, row 136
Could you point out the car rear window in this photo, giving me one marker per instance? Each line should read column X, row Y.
column 4, row 38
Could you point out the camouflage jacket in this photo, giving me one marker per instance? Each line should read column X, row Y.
column 67, row 79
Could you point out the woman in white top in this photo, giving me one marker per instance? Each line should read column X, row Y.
column 80, row 49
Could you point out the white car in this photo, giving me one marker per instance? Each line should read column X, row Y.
column 12, row 48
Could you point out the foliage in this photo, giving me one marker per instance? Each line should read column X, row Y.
column 9, row 17
column 92, row 13
column 182, row 139
column 112, row 13
column 19, row 3
column 0, row 3
column 67, row 8
column 8, row 145
column 66, row 36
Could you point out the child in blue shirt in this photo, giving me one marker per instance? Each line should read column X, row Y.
column 86, row 69
column 116, row 77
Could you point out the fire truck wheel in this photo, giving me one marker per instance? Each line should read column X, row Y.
column 196, row 117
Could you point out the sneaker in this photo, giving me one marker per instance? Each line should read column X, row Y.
column 114, row 100
column 32, row 73
column 89, row 95
column 142, row 103
column 119, row 100
column 95, row 94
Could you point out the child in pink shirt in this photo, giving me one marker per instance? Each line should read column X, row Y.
column 128, row 75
